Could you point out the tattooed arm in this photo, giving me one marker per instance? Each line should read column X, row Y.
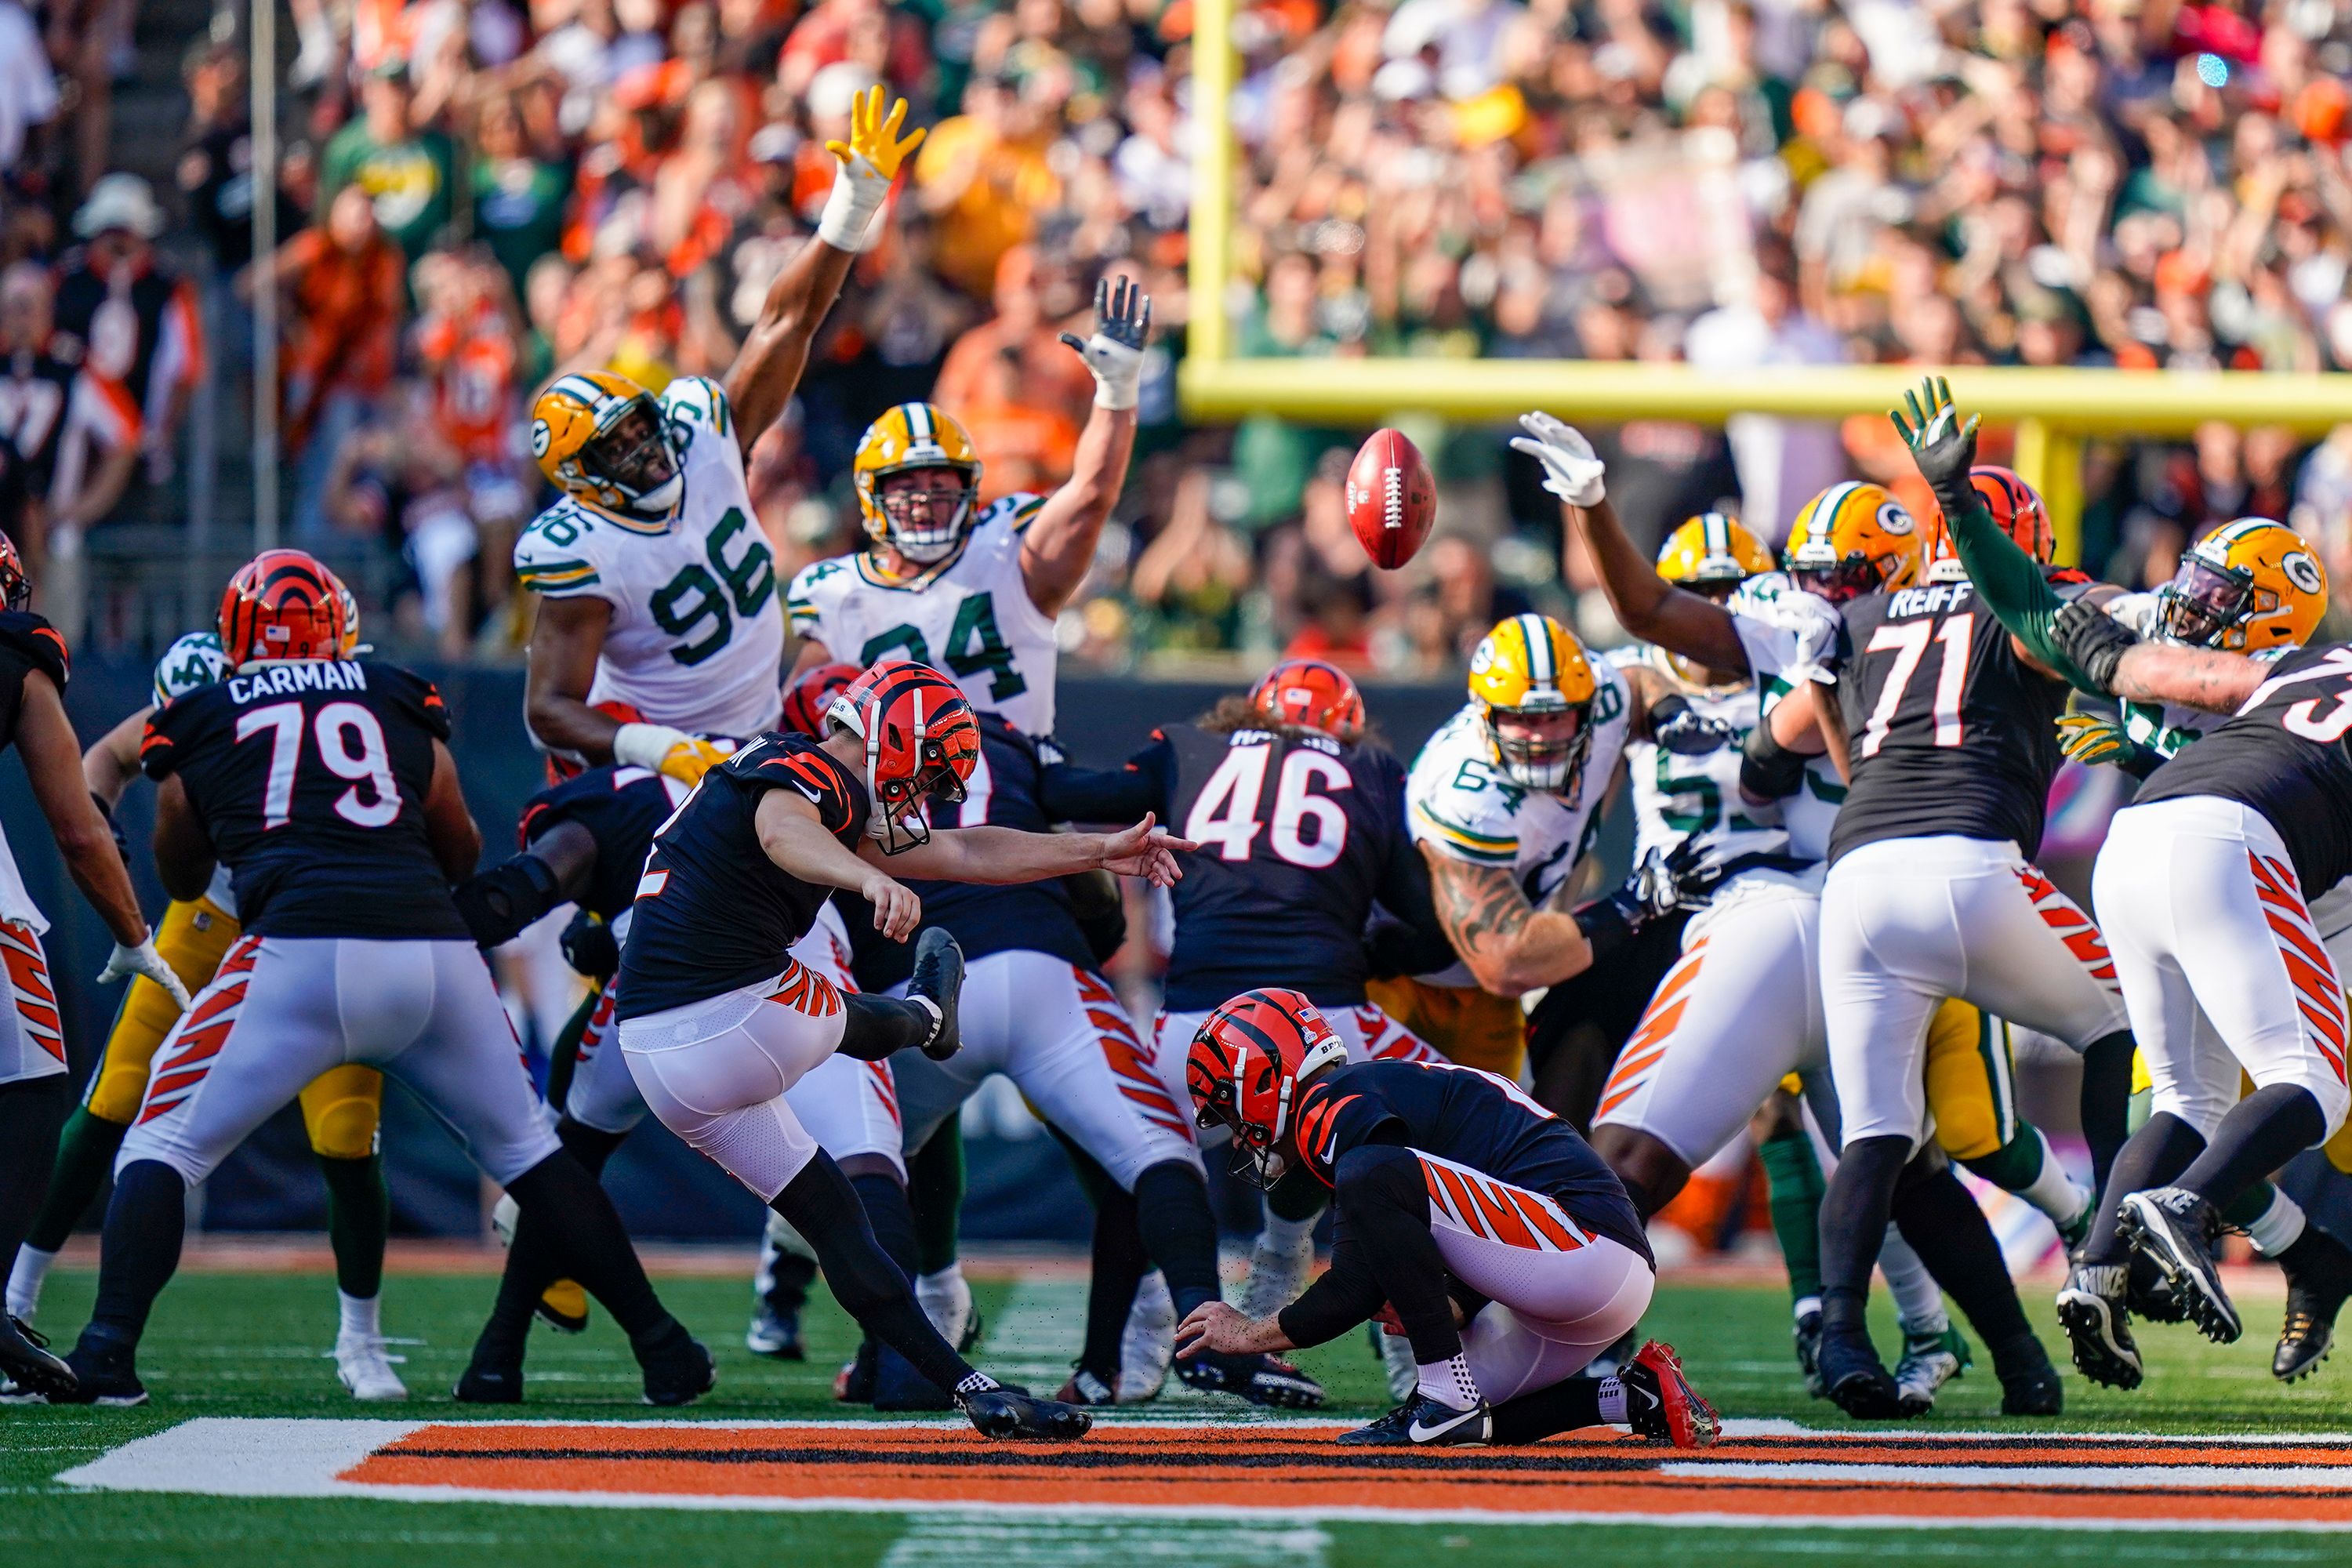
column 2200, row 678
column 1509, row 945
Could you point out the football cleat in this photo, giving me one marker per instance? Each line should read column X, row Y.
column 1261, row 1379
column 1423, row 1422
column 938, row 979
column 1808, row 1352
column 2149, row 1296
column 773, row 1334
column 26, row 1362
column 1085, row 1387
column 489, row 1382
column 1395, row 1351
column 365, row 1370
column 2177, row 1229
column 1659, row 1403
column 107, row 1375
column 1930, row 1360
column 2091, row 1309
column 1009, row 1412
column 2318, row 1270
column 1855, row 1380
column 2028, row 1383
column 678, row 1369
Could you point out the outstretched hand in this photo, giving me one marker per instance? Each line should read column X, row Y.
column 1943, row 447
column 1572, row 470
column 1115, row 351
column 874, row 138
column 1144, row 851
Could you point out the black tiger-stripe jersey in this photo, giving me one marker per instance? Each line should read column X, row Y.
column 2288, row 755
column 27, row 643
column 1950, row 732
column 713, row 913
column 1300, row 835
column 621, row 807
column 311, row 778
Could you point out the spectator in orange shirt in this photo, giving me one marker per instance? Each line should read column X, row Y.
column 1022, row 448
column 1051, row 375
column 983, row 174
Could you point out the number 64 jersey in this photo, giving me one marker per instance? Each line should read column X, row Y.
column 969, row 616
column 696, row 640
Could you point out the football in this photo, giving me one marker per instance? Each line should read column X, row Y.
column 1391, row 499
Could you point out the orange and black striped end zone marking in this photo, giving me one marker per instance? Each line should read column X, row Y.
column 1296, row 1470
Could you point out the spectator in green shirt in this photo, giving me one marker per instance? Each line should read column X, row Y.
column 518, row 198
column 407, row 173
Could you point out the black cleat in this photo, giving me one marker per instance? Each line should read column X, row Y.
column 2028, row 1383
column 28, row 1365
column 1809, row 1353
column 1423, row 1422
column 2148, row 1296
column 2091, row 1309
column 1857, row 1382
column 1261, row 1379
column 678, row 1369
column 773, row 1334
column 938, row 979
column 2318, row 1270
column 2177, row 1228
column 1008, row 1413
column 1659, row 1403
column 491, row 1380
column 103, row 1374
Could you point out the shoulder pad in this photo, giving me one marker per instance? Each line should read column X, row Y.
column 1017, row 510
column 23, row 632
column 556, row 555
column 698, row 400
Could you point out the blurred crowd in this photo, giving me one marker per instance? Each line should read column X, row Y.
column 475, row 192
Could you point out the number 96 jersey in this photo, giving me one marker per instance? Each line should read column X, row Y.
column 969, row 615
column 696, row 640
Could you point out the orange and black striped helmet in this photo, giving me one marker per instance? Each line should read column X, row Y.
column 1244, row 1069
column 811, row 695
column 921, row 742
column 2014, row 505
column 1312, row 694
column 283, row 604
column 16, row 588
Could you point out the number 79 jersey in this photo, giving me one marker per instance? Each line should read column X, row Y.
column 969, row 616
column 696, row 640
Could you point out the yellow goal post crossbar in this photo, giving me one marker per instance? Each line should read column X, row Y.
column 2051, row 409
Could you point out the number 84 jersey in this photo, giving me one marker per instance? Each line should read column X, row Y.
column 969, row 616
column 696, row 640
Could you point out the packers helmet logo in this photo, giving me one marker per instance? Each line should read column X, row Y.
column 2304, row 573
column 1894, row 520
column 540, row 437
column 1483, row 658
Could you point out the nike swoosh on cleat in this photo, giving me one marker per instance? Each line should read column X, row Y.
column 1421, row 1433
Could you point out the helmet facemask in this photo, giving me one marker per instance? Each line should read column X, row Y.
column 1549, row 763
column 924, row 522
column 635, row 456
column 2203, row 602
column 1836, row 581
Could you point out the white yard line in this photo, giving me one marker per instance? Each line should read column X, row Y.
column 958, row 1541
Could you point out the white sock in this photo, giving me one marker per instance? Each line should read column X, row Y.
column 25, row 1280
column 1286, row 1236
column 362, row 1316
column 1449, row 1383
column 945, row 1298
column 1918, row 1300
column 1613, row 1401
column 1805, row 1306
column 2280, row 1226
column 2053, row 1192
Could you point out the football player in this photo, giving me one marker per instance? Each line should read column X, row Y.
column 33, row 1090
column 657, row 588
column 1473, row 1219
column 341, row 1108
column 326, row 784
column 713, row 1032
column 973, row 591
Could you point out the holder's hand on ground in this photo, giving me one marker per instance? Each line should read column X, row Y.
column 1217, row 1329
column 1572, row 470
column 870, row 161
column 1115, row 352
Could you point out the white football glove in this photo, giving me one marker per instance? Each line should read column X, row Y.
column 1571, row 469
column 645, row 745
column 1115, row 351
column 144, row 960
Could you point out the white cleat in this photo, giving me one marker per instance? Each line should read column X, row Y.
column 946, row 1299
column 366, row 1371
column 1396, row 1362
column 1147, row 1344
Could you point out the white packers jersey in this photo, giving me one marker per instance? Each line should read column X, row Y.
column 1792, row 636
column 697, row 639
column 969, row 616
column 1678, row 797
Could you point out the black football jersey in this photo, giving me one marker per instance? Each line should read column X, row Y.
column 28, row 642
column 622, row 808
column 35, row 401
column 2287, row 754
column 1299, row 836
column 311, row 780
column 1951, row 731
column 1473, row 1119
column 712, row 912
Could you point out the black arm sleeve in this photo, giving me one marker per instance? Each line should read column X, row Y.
column 1412, row 940
column 1072, row 793
column 1768, row 770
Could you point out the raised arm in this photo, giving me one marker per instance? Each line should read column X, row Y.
column 1645, row 603
column 1059, row 543
column 768, row 366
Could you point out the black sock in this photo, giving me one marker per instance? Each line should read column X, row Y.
column 1171, row 1207
column 1562, row 1407
column 877, row 1026
column 824, row 1209
column 1119, row 1264
column 935, row 1186
column 1384, row 1193
column 85, row 1155
column 2261, row 1133
column 359, row 1218
column 31, row 1111
column 535, row 1257
column 2106, row 1101
column 592, row 1146
column 893, row 1224
column 1951, row 1236
column 1854, row 1210
column 145, row 1223
column 2152, row 1158
column 589, row 1244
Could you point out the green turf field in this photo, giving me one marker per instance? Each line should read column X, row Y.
column 228, row 1345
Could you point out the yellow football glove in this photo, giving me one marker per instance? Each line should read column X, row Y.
column 690, row 760
column 2093, row 738
column 870, row 161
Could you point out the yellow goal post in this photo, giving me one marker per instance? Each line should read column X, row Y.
column 2052, row 410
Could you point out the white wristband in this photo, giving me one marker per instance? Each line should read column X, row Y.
column 645, row 745
column 850, row 207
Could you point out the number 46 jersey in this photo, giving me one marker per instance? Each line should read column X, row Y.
column 969, row 615
column 696, row 640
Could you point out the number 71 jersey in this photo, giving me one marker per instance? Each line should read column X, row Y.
column 696, row 640
column 969, row 616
